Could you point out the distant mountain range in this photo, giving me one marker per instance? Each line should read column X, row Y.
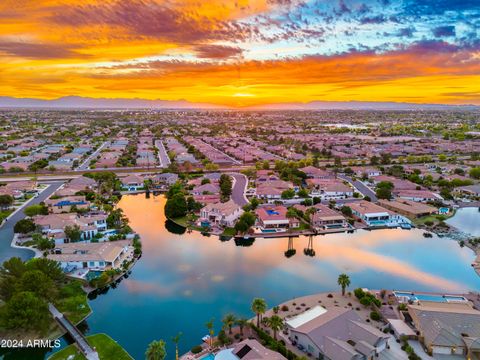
column 362, row 105
column 78, row 102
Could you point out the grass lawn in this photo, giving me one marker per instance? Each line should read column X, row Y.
column 4, row 214
column 435, row 219
column 106, row 347
column 73, row 302
column 182, row 221
column 229, row 232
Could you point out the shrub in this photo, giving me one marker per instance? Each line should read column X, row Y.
column 375, row 316
column 196, row 349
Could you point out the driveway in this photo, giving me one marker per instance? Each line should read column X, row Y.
column 6, row 230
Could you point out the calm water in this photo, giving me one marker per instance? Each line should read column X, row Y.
column 467, row 220
column 183, row 280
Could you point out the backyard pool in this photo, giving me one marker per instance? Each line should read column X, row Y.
column 92, row 274
column 428, row 297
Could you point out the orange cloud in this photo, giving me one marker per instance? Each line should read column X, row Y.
column 112, row 48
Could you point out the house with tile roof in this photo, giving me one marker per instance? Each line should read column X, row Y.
column 336, row 334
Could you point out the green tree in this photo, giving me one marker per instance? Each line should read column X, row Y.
column 259, row 306
column 228, row 322
column 73, row 232
column 276, row 324
column 176, row 206
column 42, row 242
column 5, row 202
column 24, row 226
column 211, row 330
column 383, row 193
column 303, row 193
column 225, row 187
column 346, row 210
column 116, row 219
column 242, row 322
column 36, row 209
column 344, row 282
column 176, row 340
column 475, row 173
column 37, row 282
column 254, row 203
column 26, row 311
column 288, row 194
column 156, row 350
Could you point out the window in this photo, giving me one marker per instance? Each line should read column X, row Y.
column 91, row 263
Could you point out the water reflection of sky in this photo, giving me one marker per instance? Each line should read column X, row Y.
column 184, row 280
column 467, row 220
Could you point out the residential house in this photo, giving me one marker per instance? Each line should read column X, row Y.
column 326, row 218
column 374, row 215
column 448, row 328
column 272, row 189
column 248, row 349
column 336, row 334
column 329, row 189
column 206, row 189
column 53, row 225
column 132, row 182
column 409, row 208
column 223, row 214
column 417, row 195
column 313, row 172
column 165, row 178
column 66, row 204
column 94, row 256
column 275, row 217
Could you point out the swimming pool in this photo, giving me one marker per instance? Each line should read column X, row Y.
column 93, row 274
column 429, row 297
column 208, row 357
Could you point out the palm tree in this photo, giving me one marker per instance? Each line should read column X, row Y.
column 241, row 324
column 275, row 323
column 259, row 306
column 156, row 350
column 211, row 330
column 344, row 282
column 176, row 340
column 229, row 321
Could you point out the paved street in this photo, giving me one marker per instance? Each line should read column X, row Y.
column 360, row 187
column 6, row 230
column 84, row 165
column 163, row 158
column 238, row 191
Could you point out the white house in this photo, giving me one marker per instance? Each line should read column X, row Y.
column 95, row 256
column 224, row 214
column 376, row 216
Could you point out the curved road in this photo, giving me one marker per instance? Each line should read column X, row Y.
column 6, row 230
column 238, row 190
column 361, row 187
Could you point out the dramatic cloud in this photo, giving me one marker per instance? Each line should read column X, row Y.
column 444, row 31
column 217, row 51
column 37, row 51
column 275, row 50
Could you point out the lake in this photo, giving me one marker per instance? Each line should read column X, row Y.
column 183, row 280
column 466, row 220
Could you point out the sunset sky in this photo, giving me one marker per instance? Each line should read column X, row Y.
column 240, row 53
